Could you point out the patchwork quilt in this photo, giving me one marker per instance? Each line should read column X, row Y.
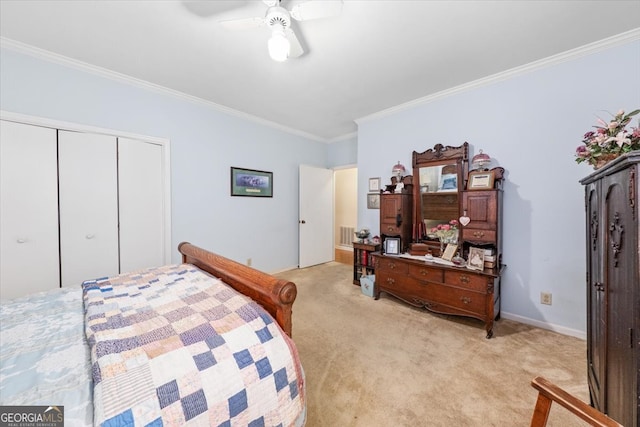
column 175, row 346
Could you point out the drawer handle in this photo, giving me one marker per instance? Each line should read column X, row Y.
column 90, row 236
column 392, row 265
column 464, row 278
column 390, row 281
column 390, row 228
column 465, row 300
column 599, row 286
column 478, row 234
column 21, row 240
column 424, row 272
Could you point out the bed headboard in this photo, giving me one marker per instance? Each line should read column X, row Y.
column 275, row 295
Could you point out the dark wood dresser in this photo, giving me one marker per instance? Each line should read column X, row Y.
column 440, row 288
column 613, row 288
column 468, row 218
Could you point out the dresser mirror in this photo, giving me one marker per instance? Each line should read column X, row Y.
column 441, row 173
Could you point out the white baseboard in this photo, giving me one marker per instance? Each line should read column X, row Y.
column 544, row 325
column 283, row 270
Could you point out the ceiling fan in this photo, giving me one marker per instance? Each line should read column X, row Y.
column 284, row 43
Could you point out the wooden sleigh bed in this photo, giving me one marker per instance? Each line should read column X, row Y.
column 275, row 295
column 205, row 342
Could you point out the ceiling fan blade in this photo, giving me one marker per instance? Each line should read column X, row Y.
column 315, row 9
column 243, row 24
column 296, row 48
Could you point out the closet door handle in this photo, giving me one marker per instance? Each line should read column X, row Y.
column 90, row 236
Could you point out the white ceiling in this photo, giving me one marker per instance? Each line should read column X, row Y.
column 376, row 55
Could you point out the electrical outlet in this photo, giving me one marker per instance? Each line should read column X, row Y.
column 545, row 298
column 249, row 262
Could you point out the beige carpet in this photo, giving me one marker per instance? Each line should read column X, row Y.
column 385, row 363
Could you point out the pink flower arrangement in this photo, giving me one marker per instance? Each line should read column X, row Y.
column 609, row 140
column 445, row 231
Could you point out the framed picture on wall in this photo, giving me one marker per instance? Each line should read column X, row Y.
column 374, row 184
column 251, row 182
column 373, row 201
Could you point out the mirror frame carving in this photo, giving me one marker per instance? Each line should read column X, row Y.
column 439, row 155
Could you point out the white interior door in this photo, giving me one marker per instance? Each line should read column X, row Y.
column 142, row 204
column 29, row 259
column 315, row 220
column 87, row 168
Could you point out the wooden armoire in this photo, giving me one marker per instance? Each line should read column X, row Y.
column 613, row 288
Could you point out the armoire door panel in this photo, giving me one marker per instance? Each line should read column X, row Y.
column 620, row 283
column 28, row 210
column 596, row 316
column 142, row 211
column 88, row 206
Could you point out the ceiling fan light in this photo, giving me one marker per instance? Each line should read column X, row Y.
column 279, row 46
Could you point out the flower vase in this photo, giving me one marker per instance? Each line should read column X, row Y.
column 604, row 159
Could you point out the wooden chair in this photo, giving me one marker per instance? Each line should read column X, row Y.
column 549, row 393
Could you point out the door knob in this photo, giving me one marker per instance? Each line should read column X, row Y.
column 302, row 221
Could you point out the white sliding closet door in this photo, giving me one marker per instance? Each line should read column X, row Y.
column 29, row 259
column 142, row 210
column 88, row 176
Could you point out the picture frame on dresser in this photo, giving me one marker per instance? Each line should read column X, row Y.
column 481, row 180
column 449, row 252
column 392, row 246
column 476, row 259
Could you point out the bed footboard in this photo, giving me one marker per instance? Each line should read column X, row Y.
column 275, row 295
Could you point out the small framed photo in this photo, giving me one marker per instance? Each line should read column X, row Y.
column 374, row 184
column 392, row 246
column 449, row 252
column 480, row 180
column 252, row 183
column 476, row 259
column 373, row 201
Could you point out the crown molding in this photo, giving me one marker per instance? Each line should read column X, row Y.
column 345, row 137
column 49, row 56
column 569, row 55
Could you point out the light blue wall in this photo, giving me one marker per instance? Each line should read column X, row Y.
column 205, row 143
column 343, row 152
column 531, row 125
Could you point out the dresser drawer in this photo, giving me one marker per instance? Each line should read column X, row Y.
column 421, row 272
column 466, row 280
column 473, row 302
column 398, row 284
column 390, row 228
column 391, row 265
column 478, row 235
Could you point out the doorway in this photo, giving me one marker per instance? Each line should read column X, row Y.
column 345, row 212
